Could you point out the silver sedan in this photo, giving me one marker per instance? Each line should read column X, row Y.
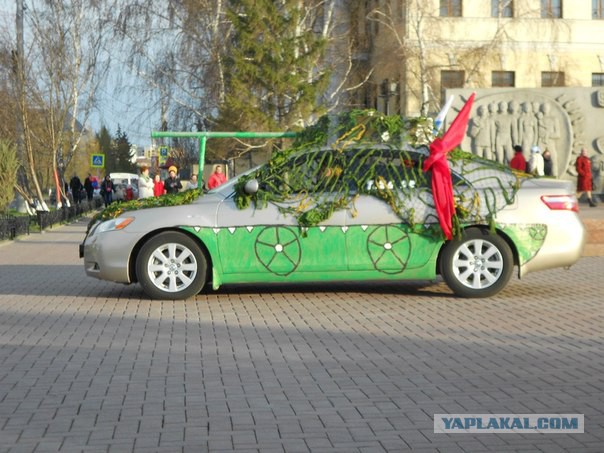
column 362, row 214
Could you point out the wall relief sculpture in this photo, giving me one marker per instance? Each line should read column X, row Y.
column 561, row 120
column 502, row 121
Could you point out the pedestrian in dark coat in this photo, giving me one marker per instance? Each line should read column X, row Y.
column 172, row 184
column 76, row 188
column 107, row 190
column 88, row 187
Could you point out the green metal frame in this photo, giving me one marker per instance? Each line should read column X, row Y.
column 204, row 136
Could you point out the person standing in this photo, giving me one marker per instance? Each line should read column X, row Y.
column 217, row 178
column 584, row 180
column 88, row 187
column 518, row 162
column 107, row 189
column 535, row 163
column 192, row 184
column 158, row 186
column 548, row 167
column 76, row 188
column 172, row 184
column 145, row 183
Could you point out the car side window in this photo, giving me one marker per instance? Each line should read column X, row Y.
column 393, row 169
column 311, row 172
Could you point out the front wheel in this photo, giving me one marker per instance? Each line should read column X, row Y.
column 171, row 265
column 480, row 264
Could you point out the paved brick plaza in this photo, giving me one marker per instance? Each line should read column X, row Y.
column 93, row 366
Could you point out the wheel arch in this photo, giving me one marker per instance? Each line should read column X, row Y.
column 486, row 228
column 137, row 248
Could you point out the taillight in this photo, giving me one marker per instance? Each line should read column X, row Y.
column 561, row 202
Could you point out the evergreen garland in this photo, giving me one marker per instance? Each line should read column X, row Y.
column 317, row 176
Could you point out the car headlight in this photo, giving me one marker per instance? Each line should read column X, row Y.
column 114, row 224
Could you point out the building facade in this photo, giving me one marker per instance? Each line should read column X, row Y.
column 416, row 49
column 515, row 54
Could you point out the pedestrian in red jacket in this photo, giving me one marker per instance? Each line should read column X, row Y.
column 158, row 186
column 518, row 162
column 584, row 181
column 217, row 178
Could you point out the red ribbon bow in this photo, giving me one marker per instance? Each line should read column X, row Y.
column 442, row 185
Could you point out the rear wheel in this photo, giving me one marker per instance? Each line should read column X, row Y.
column 171, row 265
column 480, row 264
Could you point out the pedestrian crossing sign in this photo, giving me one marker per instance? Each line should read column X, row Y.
column 163, row 155
column 97, row 161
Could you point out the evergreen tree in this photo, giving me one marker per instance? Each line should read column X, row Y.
column 117, row 151
column 274, row 64
column 106, row 147
column 123, row 153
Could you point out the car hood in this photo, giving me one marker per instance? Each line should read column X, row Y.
column 201, row 212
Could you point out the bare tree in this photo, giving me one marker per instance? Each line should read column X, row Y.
column 68, row 61
column 64, row 61
column 415, row 33
column 177, row 48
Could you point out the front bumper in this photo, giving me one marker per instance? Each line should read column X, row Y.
column 107, row 255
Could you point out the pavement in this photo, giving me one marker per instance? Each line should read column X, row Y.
column 593, row 219
column 92, row 366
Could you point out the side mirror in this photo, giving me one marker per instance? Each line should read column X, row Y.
column 251, row 187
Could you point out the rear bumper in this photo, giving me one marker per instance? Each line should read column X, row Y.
column 563, row 246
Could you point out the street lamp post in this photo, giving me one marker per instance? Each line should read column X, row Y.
column 389, row 90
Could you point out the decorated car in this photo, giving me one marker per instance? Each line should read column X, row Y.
column 358, row 197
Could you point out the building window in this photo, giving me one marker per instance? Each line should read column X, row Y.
column 597, row 9
column 450, row 79
column 597, row 79
column 502, row 8
column 551, row 9
column 450, row 8
column 503, row 79
column 552, row 79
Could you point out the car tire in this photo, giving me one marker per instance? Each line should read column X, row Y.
column 479, row 264
column 172, row 266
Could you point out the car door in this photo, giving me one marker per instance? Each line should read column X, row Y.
column 269, row 240
column 387, row 232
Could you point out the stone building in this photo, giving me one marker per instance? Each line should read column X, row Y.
column 531, row 55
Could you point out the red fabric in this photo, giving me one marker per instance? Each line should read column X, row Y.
column 518, row 162
column 583, row 166
column 158, row 188
column 442, row 185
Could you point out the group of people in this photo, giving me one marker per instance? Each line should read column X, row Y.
column 155, row 187
column 76, row 187
column 542, row 165
column 538, row 164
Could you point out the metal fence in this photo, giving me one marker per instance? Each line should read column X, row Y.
column 13, row 226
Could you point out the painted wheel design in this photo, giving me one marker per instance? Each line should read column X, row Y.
column 278, row 249
column 478, row 265
column 389, row 248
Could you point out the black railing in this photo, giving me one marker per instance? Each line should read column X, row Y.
column 12, row 226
